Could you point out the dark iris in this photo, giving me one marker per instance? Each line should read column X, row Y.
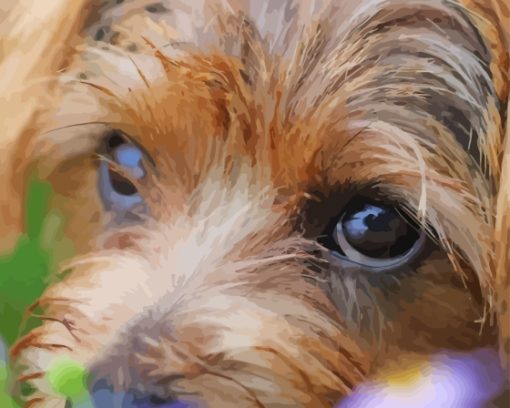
column 375, row 230
column 121, row 184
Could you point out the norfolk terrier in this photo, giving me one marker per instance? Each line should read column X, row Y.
column 264, row 202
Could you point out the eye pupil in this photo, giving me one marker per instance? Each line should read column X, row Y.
column 377, row 231
column 370, row 232
column 122, row 185
column 115, row 140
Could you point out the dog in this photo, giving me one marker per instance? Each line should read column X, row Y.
column 264, row 202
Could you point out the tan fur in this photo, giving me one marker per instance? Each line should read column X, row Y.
column 252, row 115
column 36, row 41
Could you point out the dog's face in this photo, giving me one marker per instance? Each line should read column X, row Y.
column 267, row 228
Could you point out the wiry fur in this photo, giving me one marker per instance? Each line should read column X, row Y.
column 264, row 118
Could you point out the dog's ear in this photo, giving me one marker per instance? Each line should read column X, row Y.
column 36, row 39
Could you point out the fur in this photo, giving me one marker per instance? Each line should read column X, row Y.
column 262, row 119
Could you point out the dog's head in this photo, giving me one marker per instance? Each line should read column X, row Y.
column 264, row 218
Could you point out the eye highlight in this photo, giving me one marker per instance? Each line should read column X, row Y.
column 374, row 234
column 117, row 191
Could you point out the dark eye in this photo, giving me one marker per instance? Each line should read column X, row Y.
column 375, row 234
column 118, row 192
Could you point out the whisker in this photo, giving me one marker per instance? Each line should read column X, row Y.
column 31, row 376
column 22, row 343
column 353, row 137
column 315, row 278
column 46, row 300
column 140, row 72
column 100, row 88
column 50, row 346
column 77, row 125
column 103, row 256
column 68, row 324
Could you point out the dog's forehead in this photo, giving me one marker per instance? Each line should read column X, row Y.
column 335, row 110
column 302, row 81
column 200, row 109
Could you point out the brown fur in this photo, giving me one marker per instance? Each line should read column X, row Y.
column 260, row 129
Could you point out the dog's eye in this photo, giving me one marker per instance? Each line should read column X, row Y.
column 118, row 192
column 375, row 235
